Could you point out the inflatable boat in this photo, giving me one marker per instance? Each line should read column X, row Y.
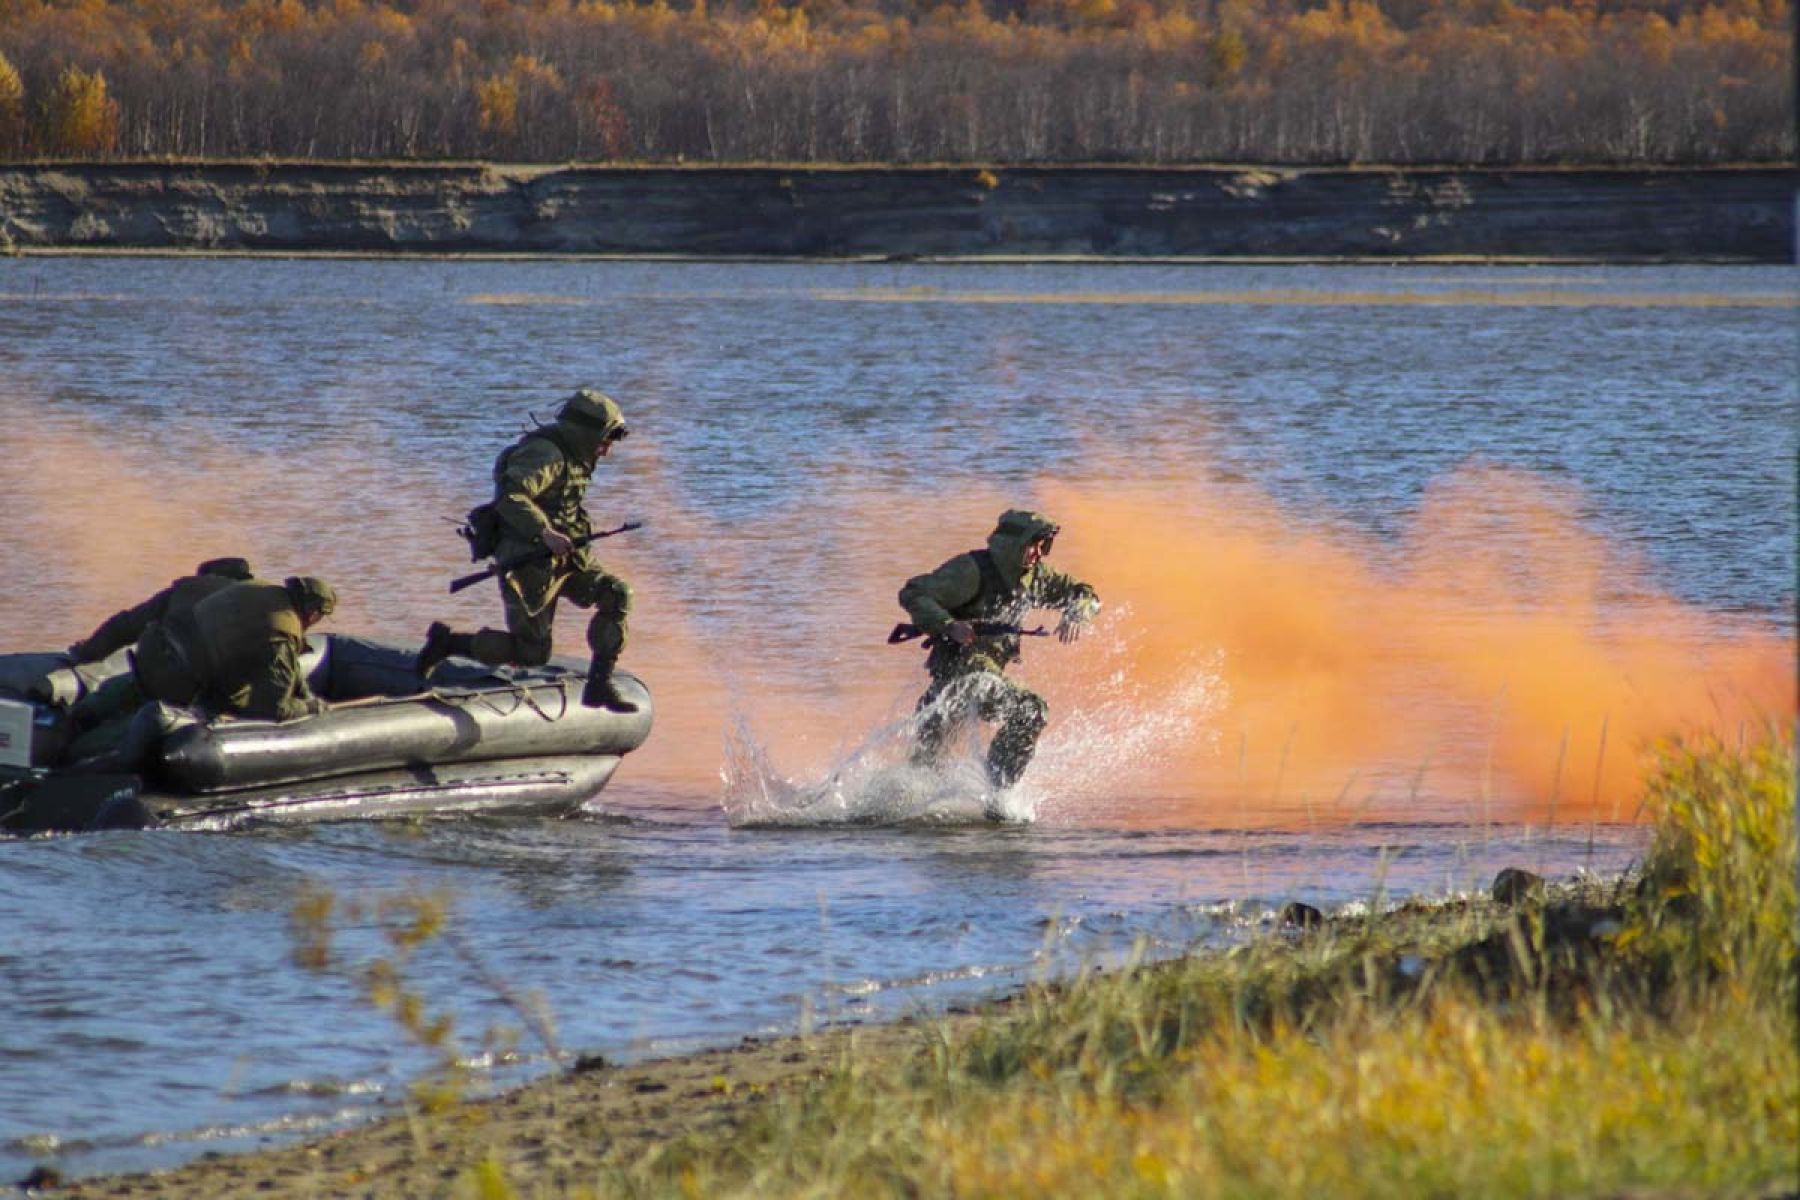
column 507, row 740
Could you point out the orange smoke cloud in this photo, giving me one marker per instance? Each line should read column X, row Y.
column 1496, row 654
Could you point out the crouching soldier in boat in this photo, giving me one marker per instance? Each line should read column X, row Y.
column 125, row 627
column 539, row 484
column 969, row 609
column 237, row 652
column 121, row 693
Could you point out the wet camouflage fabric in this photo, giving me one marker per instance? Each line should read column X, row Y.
column 960, row 590
column 970, row 682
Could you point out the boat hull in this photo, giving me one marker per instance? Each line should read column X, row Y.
column 479, row 741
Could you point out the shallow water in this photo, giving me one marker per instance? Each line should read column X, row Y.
column 1402, row 567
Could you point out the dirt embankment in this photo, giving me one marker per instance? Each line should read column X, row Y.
column 1735, row 213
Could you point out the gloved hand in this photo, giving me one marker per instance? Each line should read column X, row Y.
column 1075, row 620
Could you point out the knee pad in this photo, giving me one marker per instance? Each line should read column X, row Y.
column 607, row 595
column 612, row 598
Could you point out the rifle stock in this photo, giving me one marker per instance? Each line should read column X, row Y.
column 513, row 564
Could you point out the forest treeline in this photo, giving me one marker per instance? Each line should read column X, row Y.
column 898, row 81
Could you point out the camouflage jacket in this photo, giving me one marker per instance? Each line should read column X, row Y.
column 125, row 627
column 987, row 585
column 539, row 483
column 243, row 644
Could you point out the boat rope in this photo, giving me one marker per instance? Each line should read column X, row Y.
column 520, row 692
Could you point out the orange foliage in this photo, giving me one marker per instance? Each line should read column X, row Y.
column 1277, row 80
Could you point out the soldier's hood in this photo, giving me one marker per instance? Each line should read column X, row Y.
column 1016, row 529
column 587, row 419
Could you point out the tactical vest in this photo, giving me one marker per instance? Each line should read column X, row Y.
column 995, row 601
column 482, row 529
column 561, row 502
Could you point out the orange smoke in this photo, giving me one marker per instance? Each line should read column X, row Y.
column 1494, row 657
column 1495, row 654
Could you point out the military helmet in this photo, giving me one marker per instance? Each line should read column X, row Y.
column 230, row 568
column 1027, row 527
column 596, row 412
column 311, row 594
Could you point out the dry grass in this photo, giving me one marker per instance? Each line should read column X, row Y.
column 1608, row 1041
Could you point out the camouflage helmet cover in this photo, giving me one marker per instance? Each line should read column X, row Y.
column 311, row 594
column 1025, row 526
column 1016, row 529
column 594, row 411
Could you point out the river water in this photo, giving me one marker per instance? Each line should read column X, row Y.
column 1405, row 569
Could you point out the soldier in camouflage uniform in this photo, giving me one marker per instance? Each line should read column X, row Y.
column 968, row 670
column 124, row 628
column 539, row 484
column 238, row 651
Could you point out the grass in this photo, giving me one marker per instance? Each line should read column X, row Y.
column 1626, row 1039
column 1631, row 1038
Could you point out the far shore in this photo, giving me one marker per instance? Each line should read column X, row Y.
column 999, row 213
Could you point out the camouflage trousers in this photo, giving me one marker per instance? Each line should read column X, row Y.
column 525, row 641
column 980, row 690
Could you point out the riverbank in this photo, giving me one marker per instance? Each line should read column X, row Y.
column 1633, row 1036
column 1725, row 214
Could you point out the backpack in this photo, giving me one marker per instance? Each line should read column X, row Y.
column 481, row 529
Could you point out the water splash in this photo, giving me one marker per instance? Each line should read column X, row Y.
column 1116, row 734
column 872, row 784
column 1118, row 729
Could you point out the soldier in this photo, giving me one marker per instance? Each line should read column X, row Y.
column 125, row 627
column 968, row 667
column 238, row 651
column 539, row 483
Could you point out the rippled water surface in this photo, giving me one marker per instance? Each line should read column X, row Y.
column 1402, row 567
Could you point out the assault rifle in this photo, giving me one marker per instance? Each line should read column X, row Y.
column 531, row 556
column 906, row 633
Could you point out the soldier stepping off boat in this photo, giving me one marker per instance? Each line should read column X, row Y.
column 539, row 484
column 969, row 610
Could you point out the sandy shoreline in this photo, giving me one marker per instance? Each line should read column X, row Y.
column 597, row 1127
column 549, row 1135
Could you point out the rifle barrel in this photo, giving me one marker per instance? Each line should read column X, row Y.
column 513, row 564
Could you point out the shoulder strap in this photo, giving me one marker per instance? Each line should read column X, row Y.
column 547, row 432
column 557, row 439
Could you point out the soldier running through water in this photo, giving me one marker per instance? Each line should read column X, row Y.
column 539, row 484
column 992, row 586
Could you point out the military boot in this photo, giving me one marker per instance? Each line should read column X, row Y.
column 440, row 643
column 602, row 692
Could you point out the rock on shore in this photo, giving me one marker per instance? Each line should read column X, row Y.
column 1726, row 214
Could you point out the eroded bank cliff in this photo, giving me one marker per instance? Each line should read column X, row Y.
column 1741, row 213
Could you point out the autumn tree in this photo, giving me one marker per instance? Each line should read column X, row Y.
column 12, row 108
column 80, row 119
column 1297, row 81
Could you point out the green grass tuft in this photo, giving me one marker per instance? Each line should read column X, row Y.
column 1600, row 1041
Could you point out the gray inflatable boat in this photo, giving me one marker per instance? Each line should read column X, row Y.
column 480, row 740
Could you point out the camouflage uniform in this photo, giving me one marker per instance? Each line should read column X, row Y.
column 990, row 585
column 540, row 482
column 121, row 694
column 125, row 627
column 237, row 652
